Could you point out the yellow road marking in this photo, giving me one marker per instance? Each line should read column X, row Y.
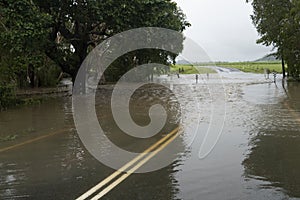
column 126, row 166
column 33, row 140
column 131, row 171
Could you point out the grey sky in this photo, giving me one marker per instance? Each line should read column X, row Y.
column 223, row 28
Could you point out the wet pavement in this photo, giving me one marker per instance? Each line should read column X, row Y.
column 256, row 157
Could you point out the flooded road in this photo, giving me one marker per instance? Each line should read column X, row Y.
column 256, row 157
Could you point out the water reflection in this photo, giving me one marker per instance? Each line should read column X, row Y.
column 139, row 105
column 31, row 121
column 60, row 167
column 160, row 184
column 274, row 155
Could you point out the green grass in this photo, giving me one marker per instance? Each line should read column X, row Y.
column 190, row 69
column 254, row 67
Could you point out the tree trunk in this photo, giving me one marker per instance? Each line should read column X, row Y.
column 81, row 53
column 283, row 67
column 31, row 75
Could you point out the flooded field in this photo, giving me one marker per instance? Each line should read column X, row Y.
column 256, row 157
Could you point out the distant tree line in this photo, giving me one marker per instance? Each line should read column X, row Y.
column 278, row 23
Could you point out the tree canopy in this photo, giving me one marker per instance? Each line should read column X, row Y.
column 67, row 30
column 277, row 21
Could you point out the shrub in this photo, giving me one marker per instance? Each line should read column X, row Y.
column 7, row 96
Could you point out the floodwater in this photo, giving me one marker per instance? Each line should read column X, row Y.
column 256, row 157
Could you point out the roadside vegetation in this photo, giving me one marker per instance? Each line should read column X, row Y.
column 43, row 41
column 277, row 22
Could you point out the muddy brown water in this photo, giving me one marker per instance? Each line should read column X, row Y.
column 257, row 156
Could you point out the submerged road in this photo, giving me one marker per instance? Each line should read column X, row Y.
column 257, row 156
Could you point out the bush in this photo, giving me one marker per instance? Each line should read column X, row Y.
column 7, row 96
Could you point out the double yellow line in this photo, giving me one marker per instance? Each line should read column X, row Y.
column 118, row 176
column 131, row 166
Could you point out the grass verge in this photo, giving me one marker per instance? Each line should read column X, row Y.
column 254, row 67
column 190, row 69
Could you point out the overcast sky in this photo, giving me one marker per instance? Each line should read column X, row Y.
column 223, row 28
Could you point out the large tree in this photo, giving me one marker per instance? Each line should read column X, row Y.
column 277, row 21
column 74, row 27
column 24, row 31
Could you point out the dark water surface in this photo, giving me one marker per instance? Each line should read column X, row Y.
column 257, row 156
